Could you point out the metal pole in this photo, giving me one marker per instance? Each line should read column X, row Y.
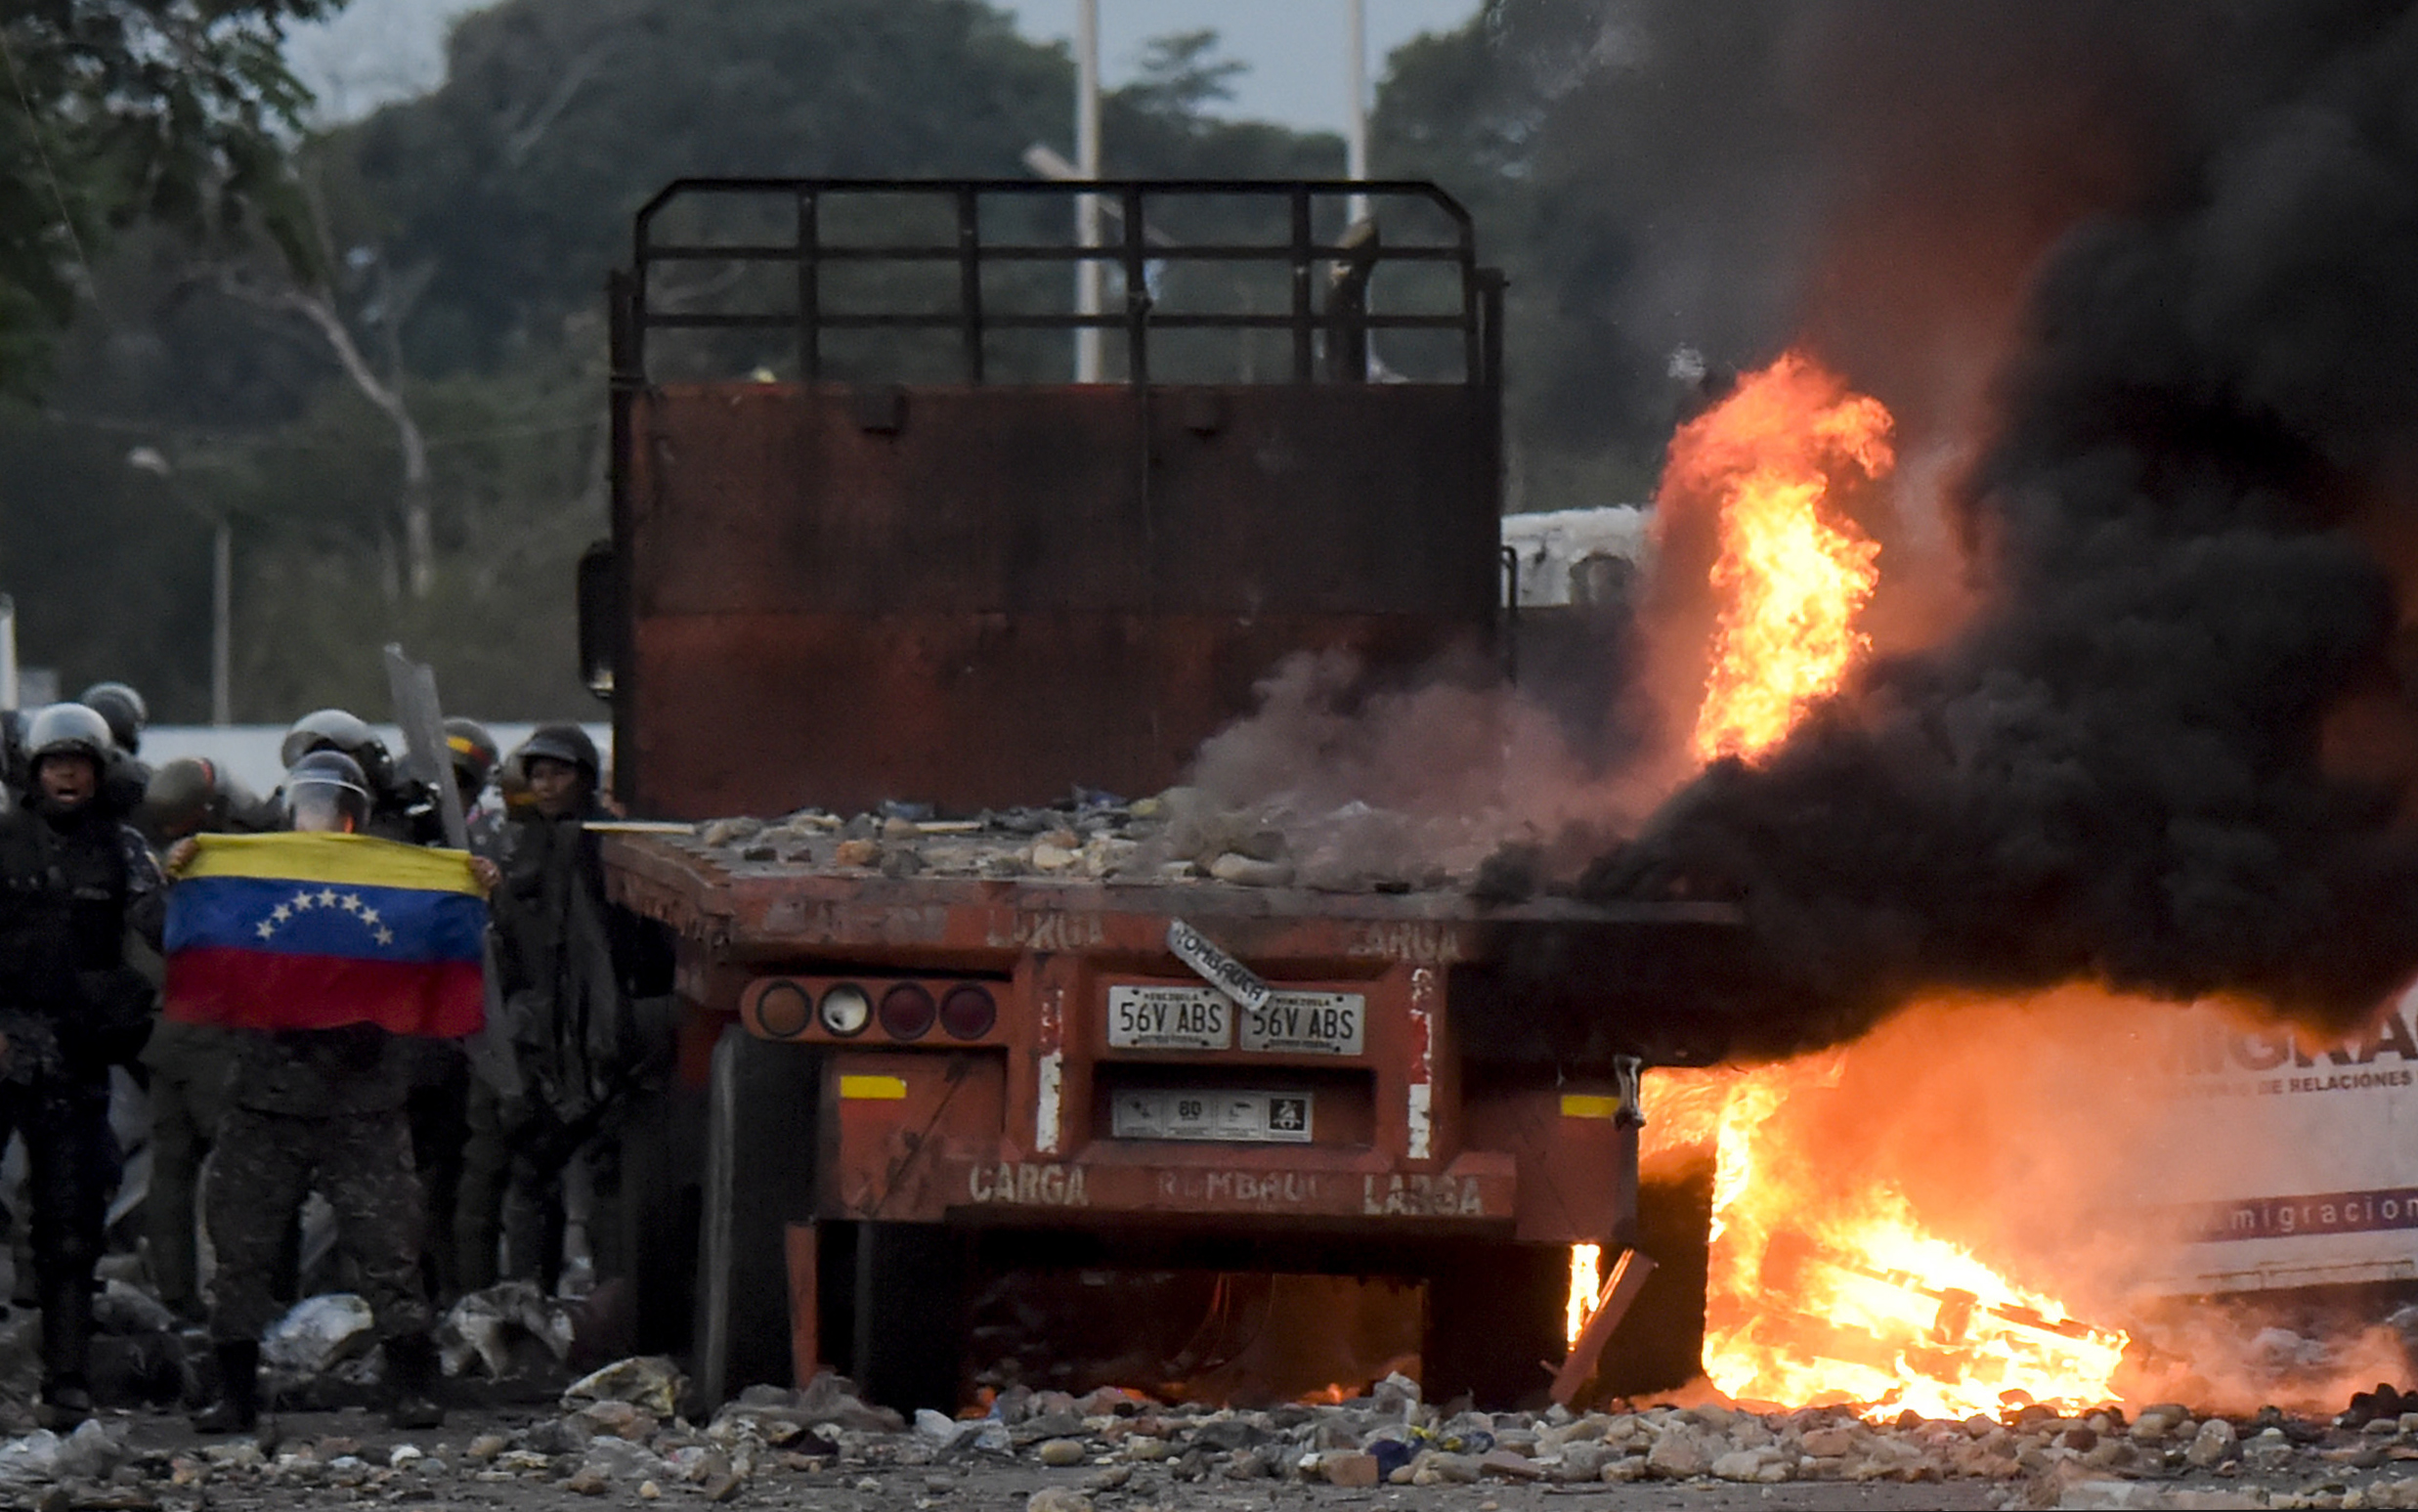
column 222, row 623
column 8, row 652
column 1356, row 124
column 1087, row 206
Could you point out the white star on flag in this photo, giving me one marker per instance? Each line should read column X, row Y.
column 369, row 916
column 302, row 902
column 386, row 936
column 327, row 897
column 267, row 929
column 281, row 913
column 351, row 903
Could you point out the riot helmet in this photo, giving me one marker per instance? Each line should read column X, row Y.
column 327, row 791
column 473, row 751
column 192, row 793
column 334, row 729
column 69, row 729
column 327, row 730
column 128, row 716
column 565, row 743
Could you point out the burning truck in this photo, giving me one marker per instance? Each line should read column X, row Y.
column 1921, row 865
column 1030, row 1026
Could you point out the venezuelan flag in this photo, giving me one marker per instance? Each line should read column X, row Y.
column 316, row 931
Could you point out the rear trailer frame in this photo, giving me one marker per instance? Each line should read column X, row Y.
column 1373, row 1141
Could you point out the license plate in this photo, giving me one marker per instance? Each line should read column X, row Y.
column 1170, row 1018
column 1227, row 1117
column 1306, row 1023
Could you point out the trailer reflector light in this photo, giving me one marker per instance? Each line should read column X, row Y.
column 968, row 1013
column 873, row 1088
column 907, row 1011
column 846, row 1009
column 783, row 1010
column 1583, row 1105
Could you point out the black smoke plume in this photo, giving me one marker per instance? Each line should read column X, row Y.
column 2171, row 750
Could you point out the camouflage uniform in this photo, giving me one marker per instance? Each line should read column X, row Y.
column 191, row 1067
column 316, row 1109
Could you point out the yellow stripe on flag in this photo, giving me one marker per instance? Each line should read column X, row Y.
column 873, row 1088
column 1583, row 1105
column 338, row 860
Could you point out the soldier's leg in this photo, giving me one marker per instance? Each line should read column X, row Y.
column 533, row 1208
column 602, row 1156
column 478, row 1203
column 258, row 1180
column 70, row 1161
column 439, row 1109
column 179, row 1141
column 364, row 1172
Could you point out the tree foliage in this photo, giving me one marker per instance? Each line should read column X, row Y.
column 467, row 234
column 116, row 111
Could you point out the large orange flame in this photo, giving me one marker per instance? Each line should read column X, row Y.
column 1823, row 1292
column 1793, row 572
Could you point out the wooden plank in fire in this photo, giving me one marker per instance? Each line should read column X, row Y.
column 1962, row 1306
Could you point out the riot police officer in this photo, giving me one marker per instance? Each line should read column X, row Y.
column 74, row 880
column 574, row 974
column 124, row 774
column 473, row 751
column 123, row 709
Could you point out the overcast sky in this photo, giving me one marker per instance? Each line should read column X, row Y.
column 379, row 50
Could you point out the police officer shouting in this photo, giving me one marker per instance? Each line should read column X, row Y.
column 73, row 878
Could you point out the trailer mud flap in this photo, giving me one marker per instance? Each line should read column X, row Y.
column 895, row 1116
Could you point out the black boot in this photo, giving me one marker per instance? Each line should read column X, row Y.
column 413, row 1371
column 66, row 1346
column 238, row 1407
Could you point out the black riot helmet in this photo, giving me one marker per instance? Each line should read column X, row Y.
column 192, row 794
column 327, row 791
column 565, row 743
column 69, row 729
column 473, row 751
column 124, row 710
column 327, row 730
column 334, row 729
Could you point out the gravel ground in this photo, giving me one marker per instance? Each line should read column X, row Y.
column 615, row 1440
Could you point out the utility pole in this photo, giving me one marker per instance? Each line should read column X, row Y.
column 1356, row 124
column 222, row 580
column 1087, row 206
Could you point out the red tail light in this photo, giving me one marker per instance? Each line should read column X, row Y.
column 968, row 1013
column 907, row 1011
column 784, row 1011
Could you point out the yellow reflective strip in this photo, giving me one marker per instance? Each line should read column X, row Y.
column 873, row 1088
column 1587, row 1105
column 338, row 860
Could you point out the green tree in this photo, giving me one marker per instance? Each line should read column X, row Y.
column 118, row 110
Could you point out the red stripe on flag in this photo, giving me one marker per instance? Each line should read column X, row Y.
column 259, row 989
